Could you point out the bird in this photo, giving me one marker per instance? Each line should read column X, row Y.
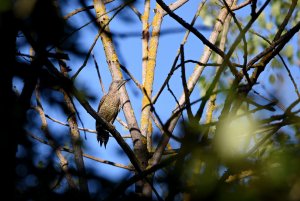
column 108, row 109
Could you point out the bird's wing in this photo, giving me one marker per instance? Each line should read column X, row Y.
column 116, row 115
column 101, row 102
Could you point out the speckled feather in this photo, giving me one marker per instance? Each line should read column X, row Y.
column 108, row 109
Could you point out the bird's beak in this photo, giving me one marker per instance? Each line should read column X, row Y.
column 123, row 82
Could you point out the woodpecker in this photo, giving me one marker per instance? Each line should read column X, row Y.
column 108, row 109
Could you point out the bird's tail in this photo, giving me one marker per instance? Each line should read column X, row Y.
column 102, row 135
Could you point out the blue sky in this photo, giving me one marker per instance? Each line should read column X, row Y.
column 129, row 51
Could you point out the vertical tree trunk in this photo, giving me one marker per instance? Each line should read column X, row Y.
column 139, row 141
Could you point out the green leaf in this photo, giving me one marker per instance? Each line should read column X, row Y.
column 276, row 64
column 272, row 79
column 262, row 20
column 289, row 51
column 276, row 9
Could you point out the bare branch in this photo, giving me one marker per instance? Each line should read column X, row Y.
column 124, row 185
column 66, row 149
column 244, row 39
column 75, row 135
column 136, row 82
column 102, row 29
column 122, row 123
column 212, row 99
column 186, row 35
column 138, row 14
column 149, row 70
column 241, row 5
column 177, row 4
column 160, row 127
column 191, row 84
column 78, row 10
column 139, row 158
column 52, row 143
column 98, row 73
column 185, row 89
column 191, row 28
column 283, row 62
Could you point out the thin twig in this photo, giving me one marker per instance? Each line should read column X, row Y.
column 86, row 129
column 141, row 175
column 81, row 27
column 136, row 11
column 65, row 124
column 119, row 8
column 136, row 82
column 191, row 28
column 154, row 99
column 74, row 133
column 172, row 93
column 160, row 121
column 78, row 10
column 283, row 62
column 98, row 73
column 52, row 143
column 122, row 123
column 208, row 64
column 66, row 149
column 159, row 126
column 177, row 4
column 185, row 89
column 245, row 55
column 241, row 5
column 290, row 75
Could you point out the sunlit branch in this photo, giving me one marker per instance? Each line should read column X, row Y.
column 193, row 80
column 122, row 123
column 241, row 5
column 177, row 4
column 139, row 156
column 78, row 10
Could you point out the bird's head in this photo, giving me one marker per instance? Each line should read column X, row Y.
column 117, row 84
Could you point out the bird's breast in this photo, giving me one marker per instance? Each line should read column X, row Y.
column 110, row 107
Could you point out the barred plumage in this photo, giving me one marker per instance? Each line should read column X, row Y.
column 108, row 109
